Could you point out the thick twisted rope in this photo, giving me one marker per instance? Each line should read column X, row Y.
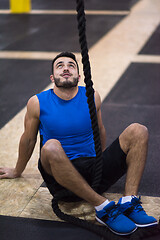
column 89, row 92
column 98, row 162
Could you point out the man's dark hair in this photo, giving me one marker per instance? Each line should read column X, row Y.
column 65, row 54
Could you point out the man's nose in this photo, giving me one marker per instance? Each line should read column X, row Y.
column 65, row 68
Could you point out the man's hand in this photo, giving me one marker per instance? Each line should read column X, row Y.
column 8, row 173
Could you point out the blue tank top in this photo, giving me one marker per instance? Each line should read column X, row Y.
column 68, row 122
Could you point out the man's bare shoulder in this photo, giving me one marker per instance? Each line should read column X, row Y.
column 33, row 108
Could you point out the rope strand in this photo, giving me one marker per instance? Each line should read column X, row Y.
column 89, row 92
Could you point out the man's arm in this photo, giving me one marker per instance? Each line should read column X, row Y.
column 102, row 130
column 27, row 141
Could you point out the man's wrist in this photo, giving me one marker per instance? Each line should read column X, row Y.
column 16, row 174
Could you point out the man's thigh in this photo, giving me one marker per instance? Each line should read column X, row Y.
column 84, row 165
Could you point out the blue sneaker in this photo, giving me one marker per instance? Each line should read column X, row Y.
column 136, row 213
column 111, row 217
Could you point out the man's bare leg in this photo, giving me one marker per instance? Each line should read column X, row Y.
column 56, row 163
column 134, row 142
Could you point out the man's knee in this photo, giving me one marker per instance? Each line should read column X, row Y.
column 133, row 134
column 138, row 132
column 51, row 147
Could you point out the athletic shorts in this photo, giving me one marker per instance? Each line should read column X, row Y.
column 114, row 167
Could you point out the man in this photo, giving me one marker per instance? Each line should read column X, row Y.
column 67, row 154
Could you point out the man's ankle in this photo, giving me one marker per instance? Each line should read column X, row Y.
column 101, row 206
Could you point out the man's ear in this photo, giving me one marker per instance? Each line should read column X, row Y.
column 52, row 78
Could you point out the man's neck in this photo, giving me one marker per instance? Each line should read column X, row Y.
column 64, row 93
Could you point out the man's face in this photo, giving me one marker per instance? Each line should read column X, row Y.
column 65, row 73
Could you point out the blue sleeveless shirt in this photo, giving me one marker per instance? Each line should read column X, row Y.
column 68, row 121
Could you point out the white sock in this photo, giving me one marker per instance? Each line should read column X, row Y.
column 127, row 199
column 100, row 207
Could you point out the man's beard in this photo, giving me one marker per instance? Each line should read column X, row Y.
column 67, row 83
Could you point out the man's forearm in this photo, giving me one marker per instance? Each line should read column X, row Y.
column 26, row 147
column 103, row 138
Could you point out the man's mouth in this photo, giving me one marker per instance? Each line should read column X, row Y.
column 66, row 75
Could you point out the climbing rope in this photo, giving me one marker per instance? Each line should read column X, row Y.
column 89, row 92
column 64, row 194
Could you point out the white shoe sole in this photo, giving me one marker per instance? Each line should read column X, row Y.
column 146, row 225
column 113, row 230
